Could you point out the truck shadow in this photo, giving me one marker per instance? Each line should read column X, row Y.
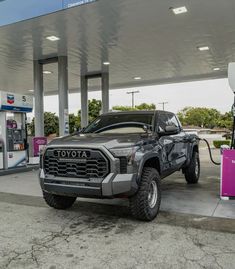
column 107, row 216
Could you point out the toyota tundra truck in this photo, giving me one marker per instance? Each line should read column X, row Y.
column 119, row 155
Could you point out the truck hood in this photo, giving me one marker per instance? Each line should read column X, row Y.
column 97, row 140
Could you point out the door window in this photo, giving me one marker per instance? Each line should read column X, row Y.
column 166, row 119
column 172, row 120
column 162, row 122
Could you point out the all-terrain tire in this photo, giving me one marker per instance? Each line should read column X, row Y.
column 192, row 172
column 149, row 191
column 58, row 201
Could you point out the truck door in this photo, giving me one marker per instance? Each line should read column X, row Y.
column 179, row 151
column 173, row 147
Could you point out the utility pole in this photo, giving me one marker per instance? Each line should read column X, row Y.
column 163, row 105
column 133, row 97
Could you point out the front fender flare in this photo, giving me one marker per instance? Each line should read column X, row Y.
column 145, row 158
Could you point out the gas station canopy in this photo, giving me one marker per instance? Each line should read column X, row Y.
column 144, row 41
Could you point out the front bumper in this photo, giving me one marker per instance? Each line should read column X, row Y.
column 112, row 186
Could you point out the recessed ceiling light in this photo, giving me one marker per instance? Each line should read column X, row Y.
column 31, row 90
column 106, row 63
column 203, row 48
column 52, row 38
column 216, row 69
column 179, row 10
column 46, row 72
column 137, row 78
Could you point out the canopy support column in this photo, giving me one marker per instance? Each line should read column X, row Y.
column 105, row 92
column 63, row 95
column 39, row 95
column 84, row 101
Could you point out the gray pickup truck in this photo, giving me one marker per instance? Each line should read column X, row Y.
column 119, row 155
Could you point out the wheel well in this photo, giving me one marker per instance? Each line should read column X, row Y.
column 154, row 163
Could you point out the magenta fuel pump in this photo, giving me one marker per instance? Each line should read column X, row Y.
column 227, row 181
column 227, row 189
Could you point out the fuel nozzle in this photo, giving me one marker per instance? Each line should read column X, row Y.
column 223, row 148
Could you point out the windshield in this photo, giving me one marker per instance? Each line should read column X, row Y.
column 120, row 123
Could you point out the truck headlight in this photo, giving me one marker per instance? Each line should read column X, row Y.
column 128, row 153
column 41, row 156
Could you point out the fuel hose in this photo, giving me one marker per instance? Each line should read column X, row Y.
column 209, row 148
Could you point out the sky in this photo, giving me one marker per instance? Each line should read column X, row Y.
column 208, row 93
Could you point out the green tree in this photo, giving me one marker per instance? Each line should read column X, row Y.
column 142, row 106
column 51, row 124
column 202, row 117
column 74, row 123
column 182, row 114
column 145, row 106
column 51, row 121
column 123, row 108
column 226, row 121
column 205, row 117
column 94, row 108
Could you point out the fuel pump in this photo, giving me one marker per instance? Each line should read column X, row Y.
column 227, row 186
column 228, row 155
column 13, row 133
column 231, row 79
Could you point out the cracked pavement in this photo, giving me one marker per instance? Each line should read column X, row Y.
column 102, row 234
column 96, row 236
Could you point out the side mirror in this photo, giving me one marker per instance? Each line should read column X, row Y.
column 169, row 130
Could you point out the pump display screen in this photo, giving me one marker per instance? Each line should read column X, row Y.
column 17, row 136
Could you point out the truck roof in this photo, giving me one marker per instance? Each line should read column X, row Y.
column 135, row 112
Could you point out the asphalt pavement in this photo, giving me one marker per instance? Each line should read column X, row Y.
column 194, row 229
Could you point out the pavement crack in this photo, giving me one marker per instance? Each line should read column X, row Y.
column 38, row 245
column 34, row 257
column 16, row 256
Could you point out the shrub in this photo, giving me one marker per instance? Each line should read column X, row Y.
column 218, row 143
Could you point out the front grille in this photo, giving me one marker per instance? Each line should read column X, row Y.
column 68, row 164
